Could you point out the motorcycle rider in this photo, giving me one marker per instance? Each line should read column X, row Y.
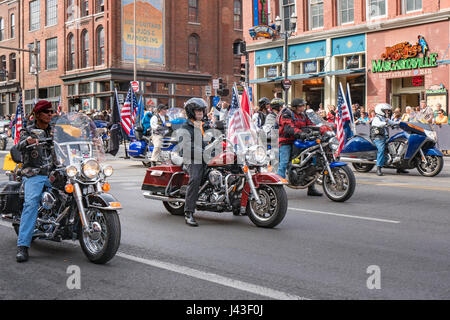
column 196, row 167
column 37, row 164
column 291, row 122
column 159, row 125
column 379, row 134
column 271, row 119
column 259, row 118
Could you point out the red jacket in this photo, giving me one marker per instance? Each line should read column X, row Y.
column 290, row 124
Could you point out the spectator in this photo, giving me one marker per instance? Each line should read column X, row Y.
column 372, row 115
column 441, row 118
column 397, row 115
column 436, row 112
column 364, row 118
column 408, row 115
column 331, row 114
column 426, row 113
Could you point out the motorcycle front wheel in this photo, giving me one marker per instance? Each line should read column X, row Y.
column 433, row 166
column 102, row 245
column 272, row 209
column 344, row 187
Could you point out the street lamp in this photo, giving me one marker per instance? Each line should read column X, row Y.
column 286, row 34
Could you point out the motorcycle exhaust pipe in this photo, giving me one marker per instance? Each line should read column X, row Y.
column 356, row 160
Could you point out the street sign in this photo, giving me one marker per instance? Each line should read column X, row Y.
column 208, row 91
column 121, row 97
column 135, row 85
column 216, row 100
column 250, row 93
column 286, row 83
column 216, row 84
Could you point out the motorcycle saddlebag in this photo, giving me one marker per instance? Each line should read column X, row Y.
column 157, row 178
column 10, row 195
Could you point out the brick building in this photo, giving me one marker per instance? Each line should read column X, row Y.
column 87, row 49
column 343, row 41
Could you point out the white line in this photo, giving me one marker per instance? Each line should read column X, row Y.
column 211, row 277
column 345, row 215
column 207, row 276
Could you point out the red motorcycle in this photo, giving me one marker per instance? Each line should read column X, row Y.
column 237, row 181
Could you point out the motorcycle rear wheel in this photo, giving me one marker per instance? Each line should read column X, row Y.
column 434, row 167
column 103, row 247
column 345, row 184
column 363, row 167
column 174, row 208
column 273, row 208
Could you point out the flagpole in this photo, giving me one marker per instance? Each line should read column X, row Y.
column 350, row 106
column 120, row 125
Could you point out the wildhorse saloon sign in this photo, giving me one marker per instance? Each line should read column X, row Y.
column 405, row 56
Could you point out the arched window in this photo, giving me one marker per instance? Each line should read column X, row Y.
column 237, row 14
column 193, row 59
column 3, row 62
column 100, row 46
column 2, row 29
column 71, row 51
column 13, row 26
column 193, row 11
column 84, row 49
column 12, row 66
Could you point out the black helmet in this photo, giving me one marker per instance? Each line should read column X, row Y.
column 298, row 102
column 194, row 104
column 276, row 104
column 161, row 107
column 263, row 102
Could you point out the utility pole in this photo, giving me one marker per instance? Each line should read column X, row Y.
column 135, row 47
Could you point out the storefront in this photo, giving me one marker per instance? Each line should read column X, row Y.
column 408, row 65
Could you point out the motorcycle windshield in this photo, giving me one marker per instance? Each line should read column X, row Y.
column 241, row 132
column 316, row 119
column 176, row 114
column 76, row 140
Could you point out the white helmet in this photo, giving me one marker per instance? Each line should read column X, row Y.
column 381, row 108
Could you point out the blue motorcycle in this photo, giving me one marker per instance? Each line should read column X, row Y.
column 142, row 148
column 413, row 147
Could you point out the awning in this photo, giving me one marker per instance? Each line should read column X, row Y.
column 266, row 80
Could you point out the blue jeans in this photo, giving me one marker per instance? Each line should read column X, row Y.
column 33, row 191
column 285, row 155
column 381, row 145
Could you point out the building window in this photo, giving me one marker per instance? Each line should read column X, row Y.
column 100, row 46
column 51, row 12
column 377, row 8
column 84, row 8
column 51, row 53
column 237, row 14
column 70, row 9
column 193, row 44
column 345, row 11
column 12, row 66
column 35, row 15
column 193, row 11
column 100, row 6
column 3, row 63
column 13, row 26
column 32, row 62
column 85, row 49
column 412, row 5
column 288, row 8
column 315, row 14
column 2, row 29
column 71, row 50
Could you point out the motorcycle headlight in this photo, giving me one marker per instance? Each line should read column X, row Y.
column 431, row 135
column 91, row 169
column 71, row 171
column 257, row 155
column 334, row 144
column 108, row 171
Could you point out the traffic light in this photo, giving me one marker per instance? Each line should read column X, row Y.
column 223, row 91
column 243, row 72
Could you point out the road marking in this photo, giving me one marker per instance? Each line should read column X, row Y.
column 202, row 275
column 344, row 215
column 405, row 185
column 215, row 278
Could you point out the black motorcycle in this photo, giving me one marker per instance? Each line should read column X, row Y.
column 76, row 206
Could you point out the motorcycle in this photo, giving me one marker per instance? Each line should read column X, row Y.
column 142, row 148
column 313, row 160
column 236, row 181
column 413, row 147
column 76, row 206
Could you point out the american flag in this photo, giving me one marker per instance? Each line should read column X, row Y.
column 59, row 109
column 125, row 113
column 18, row 120
column 135, row 107
column 238, row 119
column 341, row 116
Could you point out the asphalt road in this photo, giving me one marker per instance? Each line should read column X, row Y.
column 392, row 234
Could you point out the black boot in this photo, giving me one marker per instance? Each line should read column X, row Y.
column 379, row 173
column 400, row 170
column 22, row 254
column 189, row 218
column 312, row 191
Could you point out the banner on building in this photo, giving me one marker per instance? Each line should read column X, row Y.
column 149, row 31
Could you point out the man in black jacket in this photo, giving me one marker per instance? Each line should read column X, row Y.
column 37, row 164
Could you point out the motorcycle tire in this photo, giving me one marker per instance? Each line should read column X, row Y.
column 436, row 163
column 3, row 144
column 174, row 208
column 268, row 194
column 344, row 172
column 363, row 167
column 110, row 225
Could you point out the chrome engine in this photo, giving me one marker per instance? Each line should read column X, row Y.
column 216, row 179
